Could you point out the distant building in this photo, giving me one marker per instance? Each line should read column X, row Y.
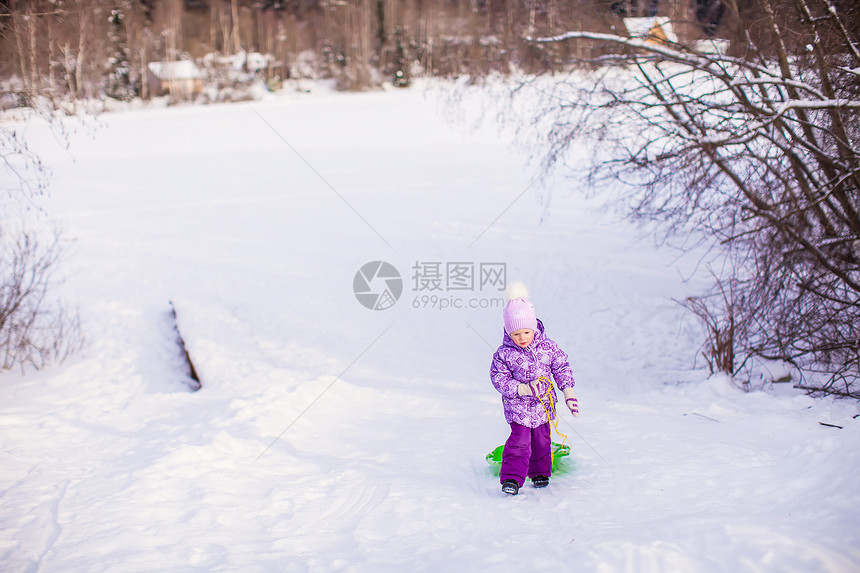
column 179, row 79
column 655, row 29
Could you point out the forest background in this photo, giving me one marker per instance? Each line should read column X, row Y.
column 104, row 48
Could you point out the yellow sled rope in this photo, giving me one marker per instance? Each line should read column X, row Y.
column 553, row 419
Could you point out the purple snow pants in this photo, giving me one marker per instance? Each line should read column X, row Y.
column 527, row 453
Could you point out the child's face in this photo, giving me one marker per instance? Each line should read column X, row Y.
column 523, row 337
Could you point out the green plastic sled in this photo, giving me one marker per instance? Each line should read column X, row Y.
column 559, row 451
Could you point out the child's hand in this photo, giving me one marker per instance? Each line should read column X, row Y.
column 571, row 402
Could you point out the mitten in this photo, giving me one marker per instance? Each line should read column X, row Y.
column 534, row 388
column 571, row 402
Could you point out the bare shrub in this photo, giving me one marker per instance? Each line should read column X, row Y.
column 34, row 328
column 718, row 311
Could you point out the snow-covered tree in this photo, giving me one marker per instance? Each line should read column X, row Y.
column 755, row 144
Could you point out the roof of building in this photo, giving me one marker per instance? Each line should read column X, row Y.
column 178, row 70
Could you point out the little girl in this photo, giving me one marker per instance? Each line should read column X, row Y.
column 521, row 370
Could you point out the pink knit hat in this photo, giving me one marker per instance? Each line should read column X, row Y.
column 519, row 312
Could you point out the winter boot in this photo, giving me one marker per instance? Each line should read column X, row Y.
column 510, row 487
column 540, row 481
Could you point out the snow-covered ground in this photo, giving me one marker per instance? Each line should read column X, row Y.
column 331, row 437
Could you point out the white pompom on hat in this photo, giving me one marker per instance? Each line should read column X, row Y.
column 519, row 312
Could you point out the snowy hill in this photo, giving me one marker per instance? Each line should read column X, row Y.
column 331, row 437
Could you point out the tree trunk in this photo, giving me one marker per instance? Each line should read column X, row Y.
column 83, row 16
column 235, row 40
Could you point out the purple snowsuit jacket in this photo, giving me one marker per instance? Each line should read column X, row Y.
column 513, row 365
